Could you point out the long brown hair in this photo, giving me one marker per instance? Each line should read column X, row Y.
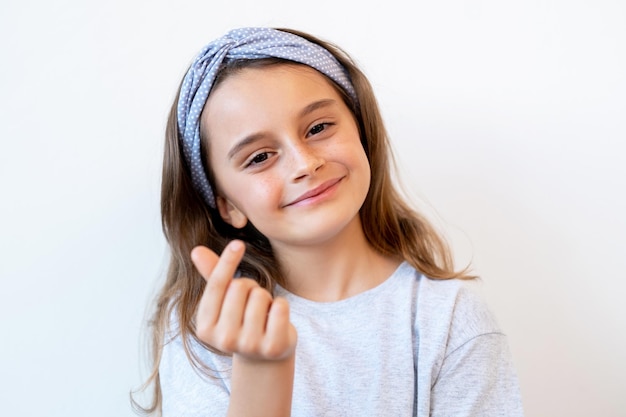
column 390, row 224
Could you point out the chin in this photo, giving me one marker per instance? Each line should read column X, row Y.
column 320, row 231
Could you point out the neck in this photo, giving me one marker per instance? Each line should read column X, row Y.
column 339, row 268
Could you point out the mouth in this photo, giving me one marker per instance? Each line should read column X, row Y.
column 316, row 193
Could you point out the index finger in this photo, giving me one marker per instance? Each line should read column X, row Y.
column 228, row 261
column 218, row 272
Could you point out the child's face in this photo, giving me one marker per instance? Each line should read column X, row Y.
column 286, row 154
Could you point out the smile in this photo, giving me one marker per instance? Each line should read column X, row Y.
column 321, row 192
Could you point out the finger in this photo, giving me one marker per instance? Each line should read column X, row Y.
column 217, row 278
column 235, row 300
column 228, row 262
column 257, row 309
column 254, row 321
column 204, row 259
column 280, row 334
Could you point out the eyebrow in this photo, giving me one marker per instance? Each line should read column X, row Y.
column 310, row 108
column 243, row 143
column 327, row 102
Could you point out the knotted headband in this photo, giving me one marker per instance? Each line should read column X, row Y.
column 244, row 43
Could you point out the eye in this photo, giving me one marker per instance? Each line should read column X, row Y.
column 318, row 128
column 258, row 158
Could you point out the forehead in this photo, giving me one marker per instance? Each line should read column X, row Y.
column 275, row 79
column 255, row 96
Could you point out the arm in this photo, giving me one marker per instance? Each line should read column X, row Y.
column 241, row 318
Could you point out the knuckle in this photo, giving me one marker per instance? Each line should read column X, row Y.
column 242, row 285
column 249, row 346
column 260, row 293
column 226, row 342
column 204, row 331
column 273, row 350
column 239, row 284
column 247, row 283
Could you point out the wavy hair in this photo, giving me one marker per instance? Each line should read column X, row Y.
column 391, row 225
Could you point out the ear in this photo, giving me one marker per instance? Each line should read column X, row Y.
column 231, row 214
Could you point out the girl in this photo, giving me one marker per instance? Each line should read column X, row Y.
column 300, row 283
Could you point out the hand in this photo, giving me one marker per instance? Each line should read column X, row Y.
column 238, row 316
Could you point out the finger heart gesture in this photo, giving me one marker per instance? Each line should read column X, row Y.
column 238, row 316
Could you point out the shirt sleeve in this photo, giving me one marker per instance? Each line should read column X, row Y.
column 477, row 379
column 186, row 392
column 464, row 358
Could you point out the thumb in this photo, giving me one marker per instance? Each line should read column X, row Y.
column 204, row 259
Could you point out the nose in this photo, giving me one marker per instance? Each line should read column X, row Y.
column 305, row 161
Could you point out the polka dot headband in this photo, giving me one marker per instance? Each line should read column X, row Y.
column 244, row 43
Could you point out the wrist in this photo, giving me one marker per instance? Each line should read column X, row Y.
column 261, row 386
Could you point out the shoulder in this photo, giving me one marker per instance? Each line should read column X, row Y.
column 453, row 311
column 464, row 365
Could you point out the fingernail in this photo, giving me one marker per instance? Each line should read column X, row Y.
column 235, row 245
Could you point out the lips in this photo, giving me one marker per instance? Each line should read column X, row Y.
column 322, row 188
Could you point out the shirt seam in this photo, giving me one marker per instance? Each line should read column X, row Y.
column 458, row 348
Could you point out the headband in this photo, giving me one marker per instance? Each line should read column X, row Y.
column 244, row 43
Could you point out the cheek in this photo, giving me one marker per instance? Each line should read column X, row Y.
column 361, row 166
column 257, row 192
column 353, row 155
column 270, row 187
column 366, row 173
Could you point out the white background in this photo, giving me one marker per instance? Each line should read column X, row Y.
column 508, row 116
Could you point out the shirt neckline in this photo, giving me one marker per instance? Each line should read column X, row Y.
column 298, row 303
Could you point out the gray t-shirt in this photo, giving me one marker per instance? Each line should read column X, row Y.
column 411, row 346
